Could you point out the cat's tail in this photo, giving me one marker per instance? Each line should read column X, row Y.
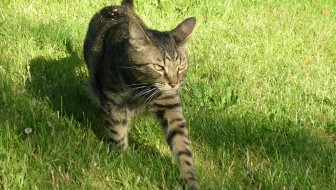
column 128, row 3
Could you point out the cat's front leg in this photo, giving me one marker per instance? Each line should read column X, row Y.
column 117, row 119
column 175, row 130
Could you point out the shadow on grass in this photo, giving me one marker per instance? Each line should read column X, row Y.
column 62, row 83
column 292, row 149
column 260, row 132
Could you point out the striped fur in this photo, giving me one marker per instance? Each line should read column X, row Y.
column 133, row 70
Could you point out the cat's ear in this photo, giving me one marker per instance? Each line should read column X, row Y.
column 128, row 3
column 137, row 36
column 183, row 31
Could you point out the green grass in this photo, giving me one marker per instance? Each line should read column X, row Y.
column 259, row 98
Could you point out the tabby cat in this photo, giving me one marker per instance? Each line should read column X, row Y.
column 133, row 70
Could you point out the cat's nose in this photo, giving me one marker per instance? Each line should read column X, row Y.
column 173, row 84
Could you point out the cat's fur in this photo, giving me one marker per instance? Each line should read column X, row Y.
column 134, row 69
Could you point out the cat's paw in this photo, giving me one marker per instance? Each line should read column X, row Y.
column 190, row 184
column 119, row 146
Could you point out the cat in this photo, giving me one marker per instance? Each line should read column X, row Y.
column 134, row 70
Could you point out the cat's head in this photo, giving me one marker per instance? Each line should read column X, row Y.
column 160, row 58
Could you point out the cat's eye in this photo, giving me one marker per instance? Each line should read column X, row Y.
column 157, row 67
column 182, row 66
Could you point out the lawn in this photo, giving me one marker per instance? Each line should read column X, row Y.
column 259, row 98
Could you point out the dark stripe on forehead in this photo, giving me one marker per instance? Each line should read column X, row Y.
column 170, row 53
column 164, row 41
column 164, row 57
column 168, row 57
column 177, row 56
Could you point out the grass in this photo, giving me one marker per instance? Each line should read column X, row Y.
column 259, row 98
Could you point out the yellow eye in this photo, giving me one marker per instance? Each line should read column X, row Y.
column 157, row 67
column 182, row 65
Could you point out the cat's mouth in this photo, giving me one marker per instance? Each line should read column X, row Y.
column 171, row 91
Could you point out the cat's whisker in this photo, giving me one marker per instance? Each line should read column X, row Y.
column 151, row 97
column 136, row 84
column 136, row 88
column 144, row 95
column 144, row 91
column 151, row 94
column 132, row 85
column 132, row 90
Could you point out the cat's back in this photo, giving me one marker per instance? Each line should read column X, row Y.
column 109, row 25
column 111, row 17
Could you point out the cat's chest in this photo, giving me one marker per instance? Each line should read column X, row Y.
column 145, row 103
